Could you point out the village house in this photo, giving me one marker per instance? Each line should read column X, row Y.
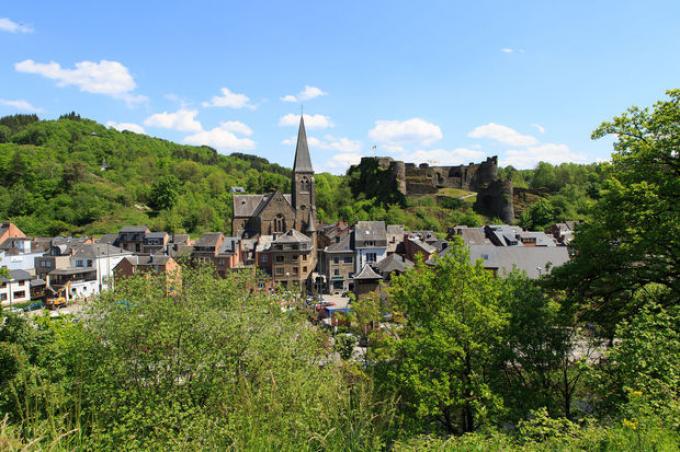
column 10, row 230
column 336, row 264
column 151, row 264
column 155, row 243
column 16, row 253
column 290, row 259
column 392, row 265
column 16, row 288
column 131, row 238
column 370, row 243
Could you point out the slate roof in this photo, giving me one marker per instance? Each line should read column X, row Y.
column 426, row 247
column 370, row 230
column 303, row 163
column 141, row 228
column 530, row 259
column 209, row 239
column 292, row 236
column 108, row 238
column 472, row 236
column 250, row 205
column 180, row 238
column 156, row 235
column 367, row 273
column 542, row 239
column 17, row 275
column 97, row 249
column 229, row 245
column 343, row 246
column 148, row 260
column 393, row 263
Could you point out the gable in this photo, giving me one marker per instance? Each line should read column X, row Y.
column 276, row 204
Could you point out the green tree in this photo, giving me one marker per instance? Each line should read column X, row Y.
column 164, row 192
column 439, row 365
column 633, row 237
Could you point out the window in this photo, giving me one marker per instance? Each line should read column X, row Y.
column 279, row 258
column 304, row 257
column 263, row 258
column 279, row 271
column 348, row 260
column 304, row 269
column 336, row 260
column 79, row 263
column 304, row 184
column 371, row 257
column 3, row 296
column 369, row 243
column 279, row 223
column 336, row 272
column 295, row 257
column 260, row 284
column 296, row 270
column 20, row 294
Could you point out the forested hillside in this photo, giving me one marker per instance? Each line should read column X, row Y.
column 75, row 176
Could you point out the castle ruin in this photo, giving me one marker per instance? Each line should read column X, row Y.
column 494, row 197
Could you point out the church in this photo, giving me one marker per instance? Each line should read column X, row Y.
column 276, row 213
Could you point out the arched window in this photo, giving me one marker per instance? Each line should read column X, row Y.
column 304, row 184
column 279, row 223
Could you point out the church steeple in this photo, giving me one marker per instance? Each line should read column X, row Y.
column 303, row 164
column 303, row 190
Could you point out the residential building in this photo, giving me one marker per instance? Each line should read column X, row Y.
column 336, row 264
column 16, row 253
column 414, row 247
column 155, row 243
column 392, row 265
column 10, row 230
column 206, row 248
column 395, row 238
column 290, row 258
column 131, row 238
column 16, row 288
column 370, row 243
column 153, row 263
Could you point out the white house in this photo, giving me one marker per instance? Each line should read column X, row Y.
column 16, row 289
column 91, row 270
column 16, row 254
column 370, row 243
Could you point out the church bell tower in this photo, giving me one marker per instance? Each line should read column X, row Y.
column 303, row 190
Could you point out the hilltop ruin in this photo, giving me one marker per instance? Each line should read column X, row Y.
column 494, row 197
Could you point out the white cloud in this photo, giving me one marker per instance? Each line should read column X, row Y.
column 20, row 104
column 132, row 127
column 106, row 77
column 339, row 163
column 183, row 120
column 507, row 50
column 539, row 127
column 393, row 135
column 224, row 137
column 328, row 143
column 311, row 121
column 8, row 25
column 547, row 152
column 502, row 134
column 229, row 99
column 457, row 156
column 308, row 93
column 236, row 127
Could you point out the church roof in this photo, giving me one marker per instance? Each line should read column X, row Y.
column 250, row 205
column 303, row 163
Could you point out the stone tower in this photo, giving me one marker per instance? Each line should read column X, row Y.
column 303, row 190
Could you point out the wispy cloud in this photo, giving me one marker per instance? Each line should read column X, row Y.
column 502, row 134
column 311, row 121
column 395, row 134
column 21, row 104
column 229, row 99
column 8, row 25
column 106, row 77
column 132, row 127
column 307, row 93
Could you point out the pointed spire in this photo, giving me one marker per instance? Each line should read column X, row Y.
column 303, row 164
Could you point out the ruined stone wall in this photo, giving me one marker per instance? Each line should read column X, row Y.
column 380, row 174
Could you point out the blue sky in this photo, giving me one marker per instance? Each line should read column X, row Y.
column 439, row 81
